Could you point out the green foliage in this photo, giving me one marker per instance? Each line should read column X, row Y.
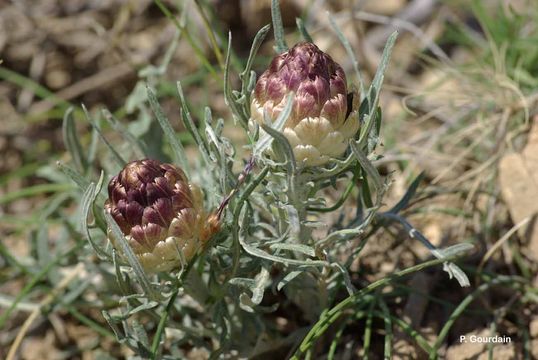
column 267, row 227
column 221, row 300
column 508, row 42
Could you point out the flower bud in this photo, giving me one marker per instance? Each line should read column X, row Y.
column 320, row 124
column 160, row 213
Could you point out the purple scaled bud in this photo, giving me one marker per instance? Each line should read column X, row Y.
column 160, row 213
column 320, row 123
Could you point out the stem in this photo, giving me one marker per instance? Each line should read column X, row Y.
column 332, row 315
column 298, row 195
column 162, row 323
column 462, row 306
column 306, row 232
column 235, row 224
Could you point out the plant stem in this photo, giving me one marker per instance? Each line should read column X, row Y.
column 332, row 315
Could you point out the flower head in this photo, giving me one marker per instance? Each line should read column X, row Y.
column 159, row 212
column 319, row 125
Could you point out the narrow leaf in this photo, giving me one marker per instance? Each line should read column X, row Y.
column 256, row 43
column 287, row 279
column 228, row 95
column 265, row 141
column 367, row 166
column 408, row 194
column 71, row 140
column 380, row 73
column 284, row 148
column 304, row 249
column 304, row 33
column 131, row 258
column 177, row 148
column 74, row 175
column 278, row 28
column 350, row 54
column 191, row 126
column 88, row 198
column 254, row 251
column 121, row 162
column 136, row 144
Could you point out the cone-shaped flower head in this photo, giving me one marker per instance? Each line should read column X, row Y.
column 320, row 124
column 159, row 212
